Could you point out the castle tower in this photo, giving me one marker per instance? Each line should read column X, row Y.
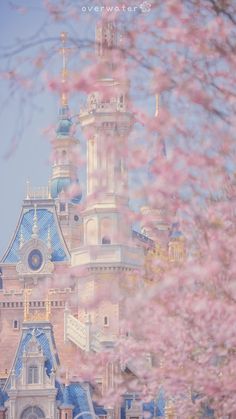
column 64, row 182
column 108, row 252
column 64, row 169
column 106, row 123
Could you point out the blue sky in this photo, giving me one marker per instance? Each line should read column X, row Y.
column 23, row 128
column 24, row 148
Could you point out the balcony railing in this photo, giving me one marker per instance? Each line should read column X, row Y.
column 38, row 192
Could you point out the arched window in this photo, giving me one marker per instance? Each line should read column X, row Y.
column 106, row 321
column 106, row 230
column 32, row 412
column 33, row 374
column 64, row 157
column 106, row 240
column 62, row 206
column 15, row 324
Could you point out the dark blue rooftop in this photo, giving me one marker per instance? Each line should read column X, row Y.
column 64, row 123
column 3, row 397
column 77, row 396
column 156, row 408
column 46, row 219
column 62, row 184
column 43, row 336
column 175, row 232
column 143, row 238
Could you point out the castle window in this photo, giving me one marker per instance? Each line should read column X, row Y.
column 62, row 207
column 106, row 230
column 105, row 321
column 15, row 324
column 32, row 412
column 33, row 374
column 106, row 240
column 1, row 281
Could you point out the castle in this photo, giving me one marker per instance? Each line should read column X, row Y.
column 63, row 254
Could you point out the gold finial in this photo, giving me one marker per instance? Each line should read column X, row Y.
column 27, row 293
column 36, row 315
column 64, row 73
column 169, row 410
column 157, row 105
column 48, row 307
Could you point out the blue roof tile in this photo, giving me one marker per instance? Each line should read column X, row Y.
column 143, row 238
column 78, row 396
column 3, row 397
column 46, row 219
column 44, row 339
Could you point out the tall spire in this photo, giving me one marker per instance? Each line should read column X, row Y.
column 65, row 123
column 106, row 37
column 156, row 105
column 21, row 240
column 106, row 44
column 64, row 168
column 64, row 72
column 35, row 229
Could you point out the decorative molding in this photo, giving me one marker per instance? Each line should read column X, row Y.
column 45, row 268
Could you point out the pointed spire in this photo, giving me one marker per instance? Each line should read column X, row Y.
column 49, row 189
column 13, row 379
column 49, row 241
column 64, row 72
column 65, row 122
column 35, row 229
column 22, row 239
column 156, row 105
column 67, row 381
column 27, row 189
column 106, row 38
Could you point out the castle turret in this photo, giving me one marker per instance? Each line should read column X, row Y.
column 64, row 168
column 64, row 184
column 107, row 122
column 108, row 252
